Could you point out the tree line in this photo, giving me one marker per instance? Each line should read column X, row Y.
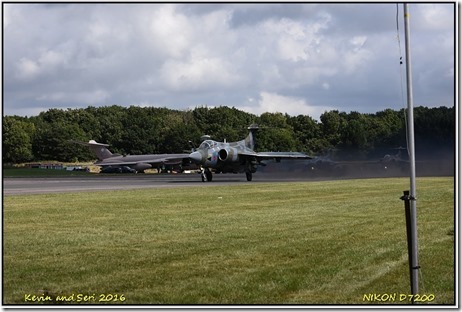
column 150, row 130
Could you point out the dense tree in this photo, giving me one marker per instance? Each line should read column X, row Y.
column 52, row 142
column 87, row 119
column 111, row 127
column 333, row 124
column 275, row 134
column 137, row 130
column 434, row 127
column 386, row 125
column 307, row 133
column 16, row 140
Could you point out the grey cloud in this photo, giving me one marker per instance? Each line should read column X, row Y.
column 251, row 14
column 182, row 55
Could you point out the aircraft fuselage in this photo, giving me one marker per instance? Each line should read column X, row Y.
column 222, row 157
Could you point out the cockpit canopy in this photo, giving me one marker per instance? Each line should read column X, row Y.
column 208, row 144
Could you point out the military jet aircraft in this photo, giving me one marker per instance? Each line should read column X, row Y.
column 136, row 162
column 398, row 160
column 235, row 157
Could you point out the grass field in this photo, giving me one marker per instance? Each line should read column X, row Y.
column 332, row 242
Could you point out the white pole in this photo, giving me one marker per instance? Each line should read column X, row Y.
column 414, row 266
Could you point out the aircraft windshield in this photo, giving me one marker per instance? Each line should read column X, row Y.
column 208, row 144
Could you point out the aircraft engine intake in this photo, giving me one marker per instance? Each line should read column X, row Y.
column 227, row 154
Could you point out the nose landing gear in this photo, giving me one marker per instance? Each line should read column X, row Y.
column 206, row 175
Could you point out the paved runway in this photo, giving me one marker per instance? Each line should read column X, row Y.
column 18, row 186
column 274, row 173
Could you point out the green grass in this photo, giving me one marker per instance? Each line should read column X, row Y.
column 292, row 243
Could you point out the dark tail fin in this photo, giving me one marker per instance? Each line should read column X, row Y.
column 250, row 141
column 99, row 149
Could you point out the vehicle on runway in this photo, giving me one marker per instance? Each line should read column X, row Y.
column 137, row 162
column 117, row 169
column 397, row 161
column 235, row 157
column 324, row 166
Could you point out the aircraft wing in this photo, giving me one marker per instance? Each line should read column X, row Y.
column 170, row 159
column 295, row 155
column 276, row 155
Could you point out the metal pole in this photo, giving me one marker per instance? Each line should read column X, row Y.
column 414, row 266
column 407, row 213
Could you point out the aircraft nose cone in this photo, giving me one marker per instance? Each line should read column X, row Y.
column 195, row 157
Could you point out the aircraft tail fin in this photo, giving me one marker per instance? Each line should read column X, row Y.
column 250, row 139
column 99, row 149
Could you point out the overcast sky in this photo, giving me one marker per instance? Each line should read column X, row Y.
column 292, row 58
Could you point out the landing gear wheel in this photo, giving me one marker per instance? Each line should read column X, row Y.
column 208, row 175
column 248, row 175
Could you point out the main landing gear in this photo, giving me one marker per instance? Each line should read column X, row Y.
column 248, row 175
column 206, row 175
